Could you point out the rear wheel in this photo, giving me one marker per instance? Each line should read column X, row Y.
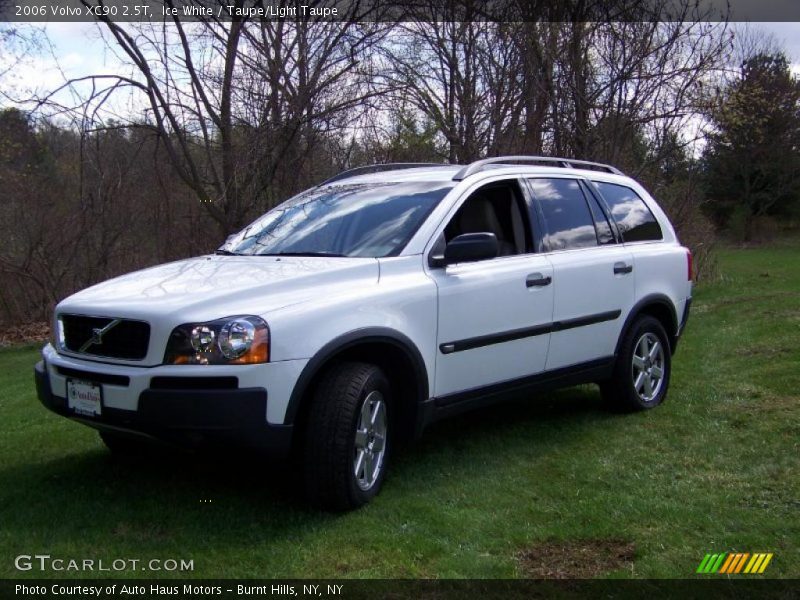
column 347, row 437
column 642, row 371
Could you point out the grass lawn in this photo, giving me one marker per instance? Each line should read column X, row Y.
column 552, row 486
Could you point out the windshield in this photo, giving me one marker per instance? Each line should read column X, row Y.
column 366, row 220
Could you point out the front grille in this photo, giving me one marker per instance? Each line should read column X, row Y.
column 97, row 336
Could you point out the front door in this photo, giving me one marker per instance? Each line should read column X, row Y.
column 493, row 315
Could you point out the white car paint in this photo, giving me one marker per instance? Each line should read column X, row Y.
column 308, row 302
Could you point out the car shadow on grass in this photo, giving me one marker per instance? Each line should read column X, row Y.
column 162, row 497
column 545, row 413
column 158, row 497
column 468, row 446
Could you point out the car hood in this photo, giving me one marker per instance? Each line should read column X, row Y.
column 209, row 287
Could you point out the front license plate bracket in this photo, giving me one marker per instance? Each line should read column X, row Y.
column 84, row 398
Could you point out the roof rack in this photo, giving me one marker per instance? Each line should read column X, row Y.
column 378, row 168
column 566, row 163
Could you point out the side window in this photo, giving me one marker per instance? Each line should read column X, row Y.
column 635, row 221
column 494, row 208
column 605, row 235
column 567, row 220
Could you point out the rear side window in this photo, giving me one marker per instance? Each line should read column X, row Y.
column 635, row 221
column 568, row 222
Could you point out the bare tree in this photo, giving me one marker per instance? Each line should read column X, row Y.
column 206, row 124
column 580, row 86
column 457, row 72
column 236, row 104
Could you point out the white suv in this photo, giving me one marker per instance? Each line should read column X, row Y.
column 354, row 314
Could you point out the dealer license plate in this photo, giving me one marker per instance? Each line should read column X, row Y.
column 84, row 398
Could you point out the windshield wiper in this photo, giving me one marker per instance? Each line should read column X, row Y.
column 226, row 252
column 323, row 254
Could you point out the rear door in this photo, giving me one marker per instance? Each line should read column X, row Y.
column 659, row 268
column 593, row 282
column 493, row 315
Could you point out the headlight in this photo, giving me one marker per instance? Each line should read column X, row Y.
column 203, row 339
column 57, row 333
column 236, row 338
column 230, row 341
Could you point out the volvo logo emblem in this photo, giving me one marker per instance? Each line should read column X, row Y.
column 97, row 335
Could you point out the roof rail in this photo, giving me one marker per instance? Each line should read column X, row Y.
column 378, row 168
column 566, row 163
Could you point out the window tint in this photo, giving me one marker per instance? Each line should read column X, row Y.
column 568, row 222
column 635, row 221
column 494, row 208
column 604, row 233
column 342, row 220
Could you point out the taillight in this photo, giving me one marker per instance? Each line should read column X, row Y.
column 689, row 265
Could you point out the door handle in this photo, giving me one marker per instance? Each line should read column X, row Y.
column 621, row 268
column 537, row 280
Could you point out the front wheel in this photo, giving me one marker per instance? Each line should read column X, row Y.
column 642, row 371
column 347, row 437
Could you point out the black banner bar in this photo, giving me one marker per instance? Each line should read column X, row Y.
column 444, row 589
column 398, row 10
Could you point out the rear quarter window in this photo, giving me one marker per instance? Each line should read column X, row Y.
column 634, row 219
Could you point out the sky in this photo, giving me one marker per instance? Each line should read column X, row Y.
column 788, row 35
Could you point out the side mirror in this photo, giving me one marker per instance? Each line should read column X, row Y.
column 467, row 247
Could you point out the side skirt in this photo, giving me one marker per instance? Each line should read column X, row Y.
column 435, row 409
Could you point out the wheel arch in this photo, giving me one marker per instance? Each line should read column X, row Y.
column 656, row 305
column 389, row 349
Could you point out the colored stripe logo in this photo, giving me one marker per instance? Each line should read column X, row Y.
column 731, row 563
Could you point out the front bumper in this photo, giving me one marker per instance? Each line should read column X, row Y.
column 186, row 417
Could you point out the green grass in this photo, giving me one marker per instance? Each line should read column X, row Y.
column 715, row 469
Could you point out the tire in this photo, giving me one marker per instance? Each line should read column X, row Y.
column 640, row 380
column 122, row 445
column 347, row 443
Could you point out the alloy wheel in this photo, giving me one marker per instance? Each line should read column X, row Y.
column 648, row 367
column 370, row 443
